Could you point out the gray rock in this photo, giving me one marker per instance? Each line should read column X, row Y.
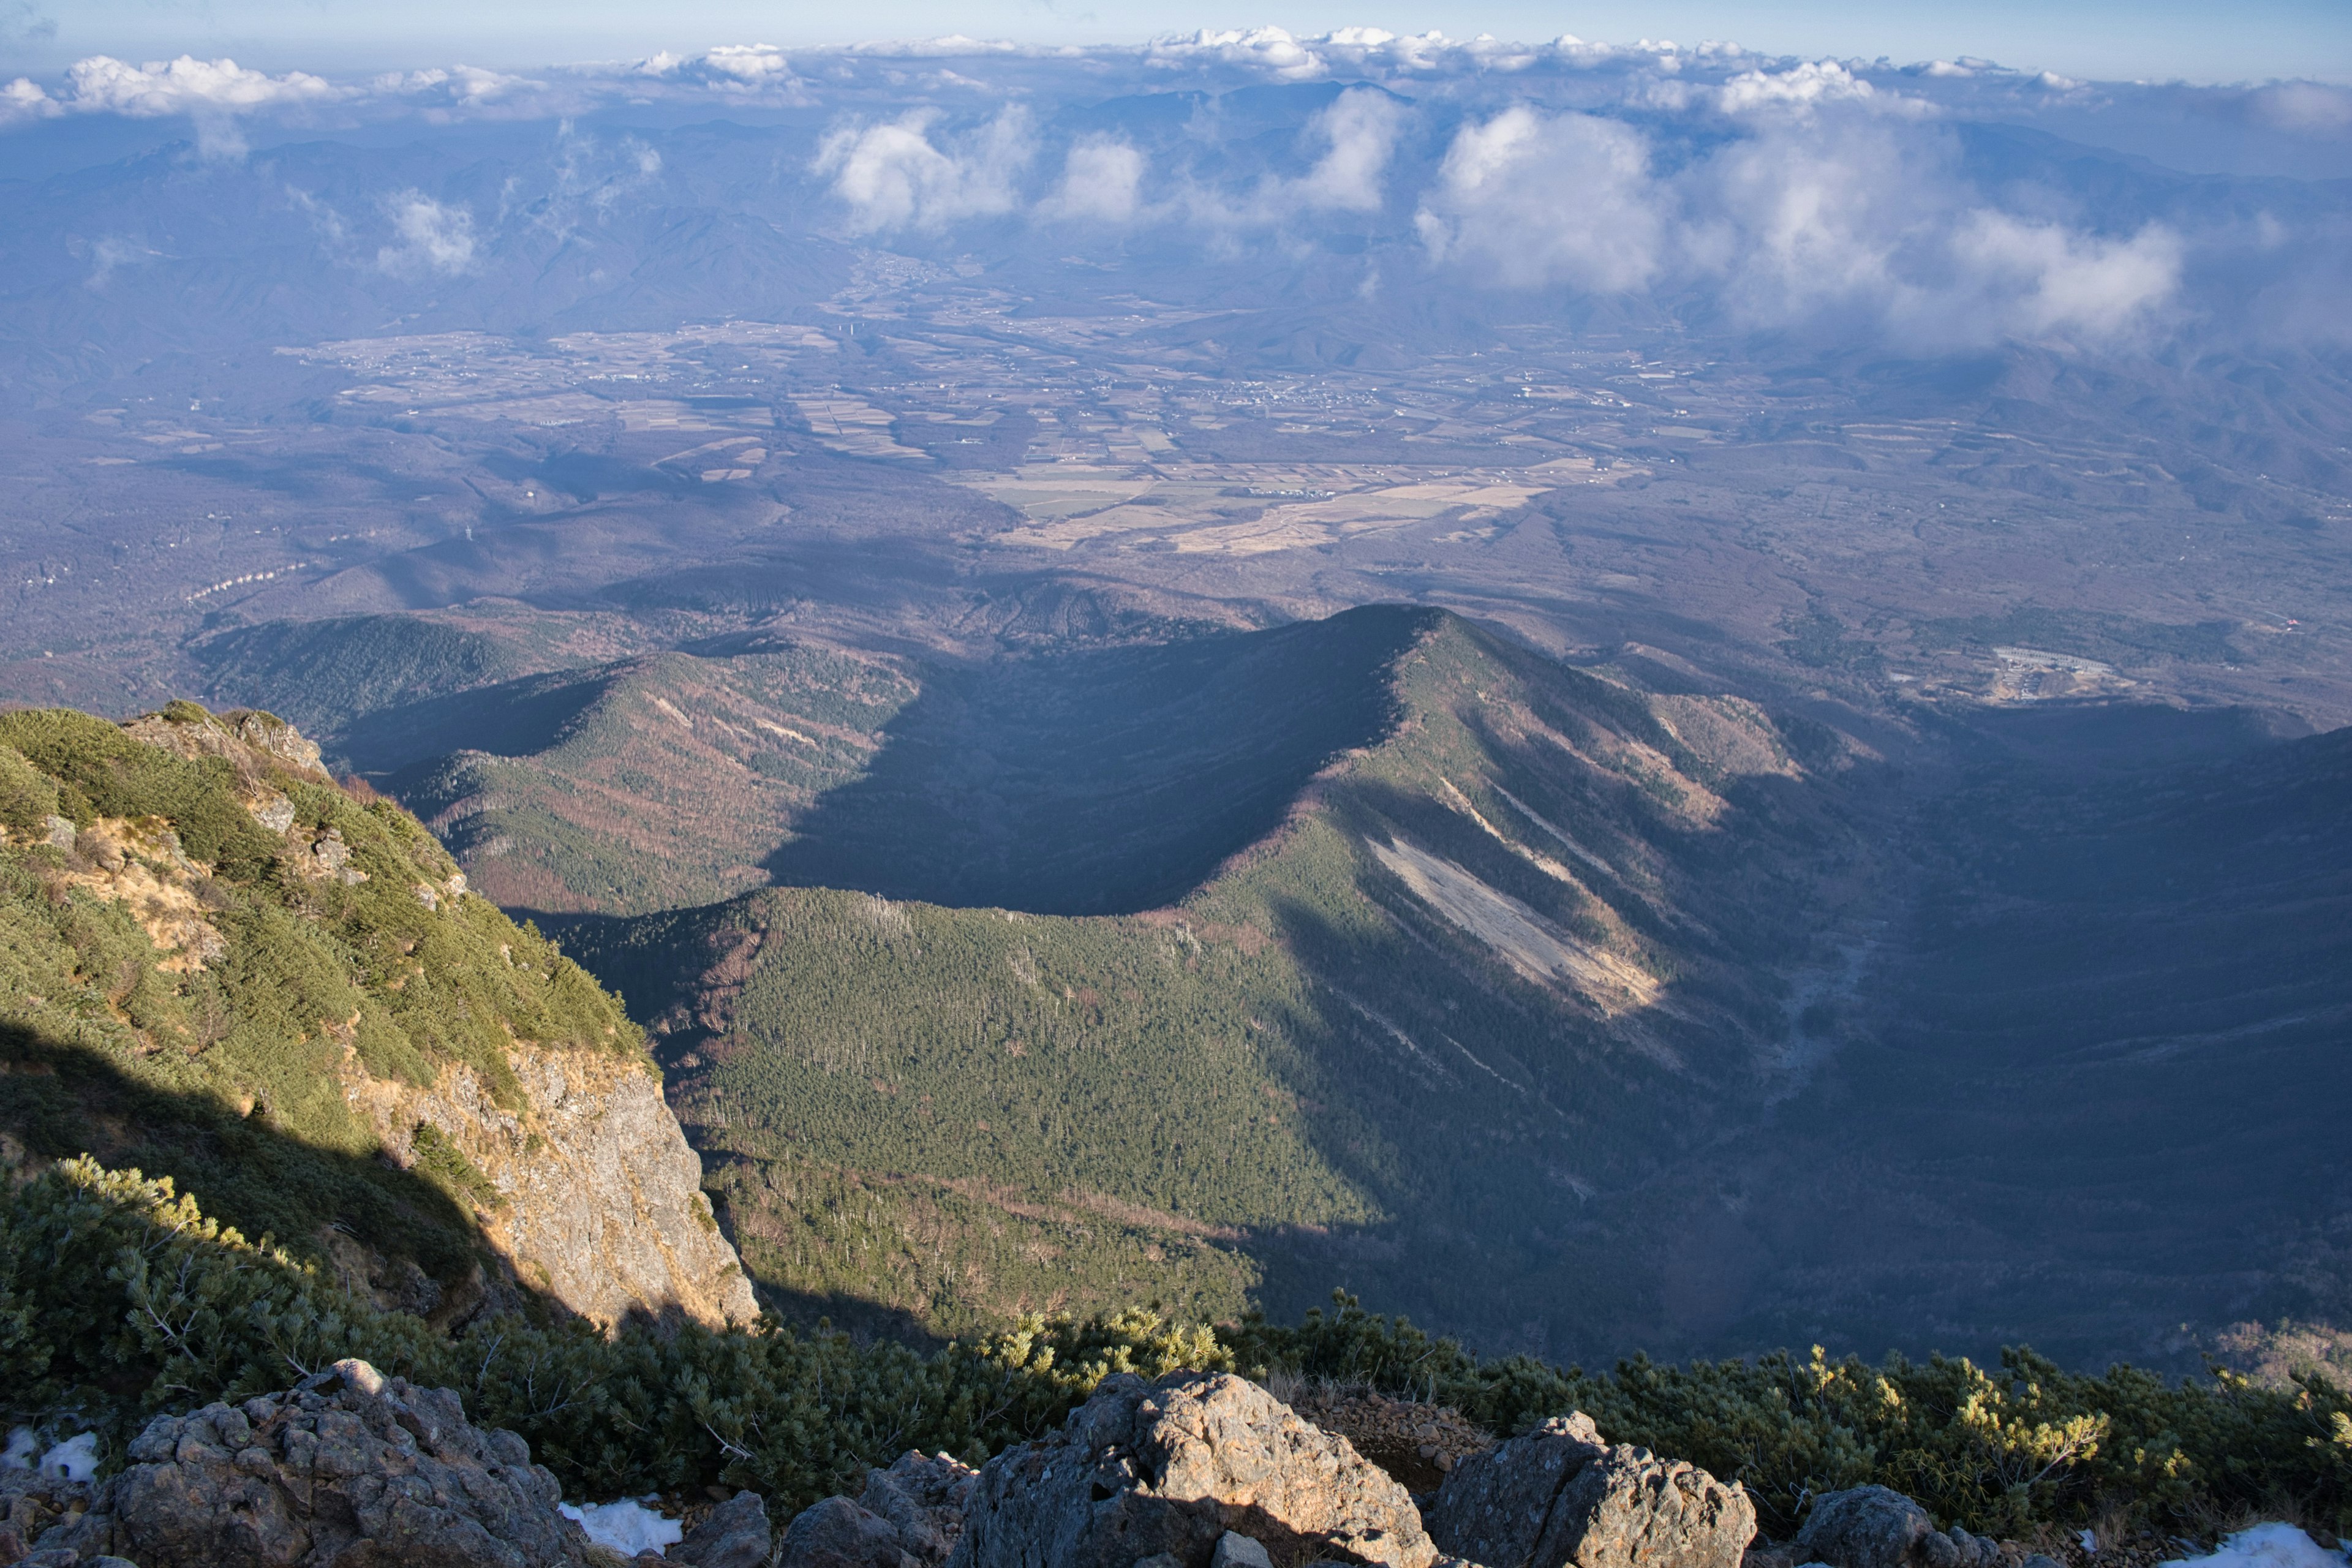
column 837, row 1533
column 1170, row 1467
column 1559, row 1496
column 1237, row 1550
column 735, row 1534
column 924, row 1500
column 1877, row 1527
column 351, row 1468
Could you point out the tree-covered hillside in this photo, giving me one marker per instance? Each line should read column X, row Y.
column 1501, row 957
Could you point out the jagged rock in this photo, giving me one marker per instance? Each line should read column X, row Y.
column 1560, row 1496
column 1877, row 1527
column 351, row 1469
column 925, row 1501
column 735, row 1534
column 1169, row 1467
column 30, row 1502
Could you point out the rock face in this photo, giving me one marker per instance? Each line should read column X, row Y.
column 1560, row 1496
column 1877, row 1527
column 351, row 1469
column 911, row 1516
column 1142, row 1469
column 593, row 1195
column 602, row 1205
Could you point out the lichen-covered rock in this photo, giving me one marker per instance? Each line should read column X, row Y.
column 735, row 1534
column 1878, row 1527
column 1144, row 1468
column 351, row 1469
column 1559, row 1496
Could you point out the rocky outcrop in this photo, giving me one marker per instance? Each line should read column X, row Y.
column 1147, row 1469
column 1560, row 1496
column 350, row 1468
column 585, row 1187
column 1877, row 1527
column 589, row 1187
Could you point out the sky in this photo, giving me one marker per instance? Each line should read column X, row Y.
column 2253, row 40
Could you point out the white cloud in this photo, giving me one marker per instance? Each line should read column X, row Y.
column 187, row 85
column 1361, row 126
column 2036, row 279
column 2306, row 107
column 1807, row 86
column 24, row 100
column 891, row 175
column 1532, row 200
column 1268, row 51
column 1102, row 179
column 432, row 237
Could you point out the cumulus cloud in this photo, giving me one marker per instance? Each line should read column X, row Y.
column 25, row 99
column 1807, row 86
column 187, row 85
column 1359, row 130
column 892, row 175
column 1534, row 200
column 433, row 239
column 1102, row 179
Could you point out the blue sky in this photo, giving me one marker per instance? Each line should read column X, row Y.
column 2251, row 40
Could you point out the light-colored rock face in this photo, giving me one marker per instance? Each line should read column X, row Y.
column 599, row 1199
column 1558, row 1496
column 1170, row 1467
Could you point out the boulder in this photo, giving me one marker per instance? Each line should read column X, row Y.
column 1145, row 1468
column 735, row 1534
column 1877, row 1527
column 1559, row 1496
column 837, row 1533
column 351, row 1468
column 924, row 1500
column 910, row 1516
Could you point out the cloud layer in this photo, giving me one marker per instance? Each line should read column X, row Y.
column 1836, row 197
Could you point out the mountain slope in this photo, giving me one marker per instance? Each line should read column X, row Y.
column 218, row 966
column 1505, row 954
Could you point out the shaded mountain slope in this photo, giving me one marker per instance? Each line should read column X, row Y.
column 1103, row 781
column 2095, row 1095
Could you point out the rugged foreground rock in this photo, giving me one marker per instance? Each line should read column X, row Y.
column 910, row 1516
column 1560, row 1497
column 1877, row 1527
column 1147, row 1469
column 351, row 1469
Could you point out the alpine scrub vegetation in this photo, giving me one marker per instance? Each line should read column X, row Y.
column 119, row 1298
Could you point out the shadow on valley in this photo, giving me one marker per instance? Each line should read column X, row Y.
column 2097, row 1095
column 1105, row 781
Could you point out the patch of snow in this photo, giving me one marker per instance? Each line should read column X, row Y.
column 2090, row 1542
column 76, row 1459
column 2266, row 1546
column 628, row 1526
column 21, row 1446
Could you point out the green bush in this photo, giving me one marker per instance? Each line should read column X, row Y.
column 119, row 1298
